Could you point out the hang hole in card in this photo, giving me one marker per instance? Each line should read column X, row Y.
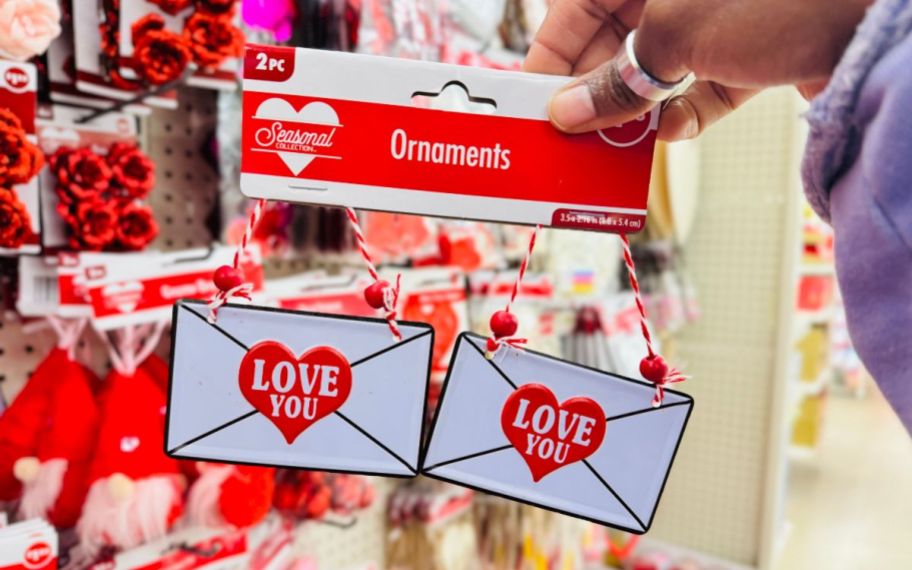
column 454, row 96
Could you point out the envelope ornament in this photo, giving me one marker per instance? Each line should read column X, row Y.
column 554, row 434
column 549, row 435
column 265, row 386
column 294, row 393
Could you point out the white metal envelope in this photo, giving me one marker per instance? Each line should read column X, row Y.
column 377, row 430
column 618, row 485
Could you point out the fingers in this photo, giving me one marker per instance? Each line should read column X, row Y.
column 568, row 29
column 601, row 99
column 704, row 103
column 603, row 47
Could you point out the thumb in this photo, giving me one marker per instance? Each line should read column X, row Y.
column 601, row 98
column 597, row 100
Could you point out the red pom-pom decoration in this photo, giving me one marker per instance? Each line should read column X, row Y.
column 227, row 278
column 504, row 324
column 375, row 294
column 654, row 369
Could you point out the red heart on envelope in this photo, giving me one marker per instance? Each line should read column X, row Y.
column 549, row 435
column 294, row 392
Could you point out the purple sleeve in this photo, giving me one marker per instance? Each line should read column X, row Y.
column 858, row 175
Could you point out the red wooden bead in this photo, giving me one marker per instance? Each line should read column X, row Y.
column 503, row 324
column 654, row 368
column 375, row 294
column 227, row 278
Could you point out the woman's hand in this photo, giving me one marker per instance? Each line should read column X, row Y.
column 734, row 47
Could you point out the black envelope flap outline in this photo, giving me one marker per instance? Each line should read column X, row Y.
column 465, row 338
column 185, row 305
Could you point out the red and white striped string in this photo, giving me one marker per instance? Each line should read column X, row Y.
column 495, row 342
column 245, row 289
column 672, row 375
column 391, row 293
column 523, row 267
column 635, row 285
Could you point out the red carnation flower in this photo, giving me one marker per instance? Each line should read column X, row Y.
column 95, row 225
column 216, row 6
column 81, row 174
column 160, row 56
column 212, row 39
column 173, row 7
column 133, row 171
column 15, row 222
column 136, row 228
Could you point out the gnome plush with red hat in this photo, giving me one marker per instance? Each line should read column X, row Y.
column 230, row 495
column 135, row 491
column 21, row 422
column 54, row 480
column 47, row 433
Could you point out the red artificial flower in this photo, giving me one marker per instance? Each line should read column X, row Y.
column 95, row 225
column 65, row 210
column 20, row 160
column 15, row 222
column 146, row 24
column 9, row 120
column 81, row 174
column 173, row 7
column 216, row 7
column 160, row 56
column 212, row 39
column 136, row 227
column 134, row 172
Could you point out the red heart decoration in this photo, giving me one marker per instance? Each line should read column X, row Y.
column 294, row 393
column 549, row 435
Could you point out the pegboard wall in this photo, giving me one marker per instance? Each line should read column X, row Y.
column 185, row 199
column 20, row 353
column 717, row 497
column 359, row 547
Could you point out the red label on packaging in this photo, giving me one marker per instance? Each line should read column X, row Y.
column 39, row 555
column 440, row 151
column 17, row 79
column 72, row 291
column 272, row 64
column 126, row 297
column 18, row 87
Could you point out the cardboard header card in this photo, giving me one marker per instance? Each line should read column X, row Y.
column 368, row 132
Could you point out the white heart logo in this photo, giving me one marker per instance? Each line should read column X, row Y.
column 124, row 296
column 284, row 141
column 129, row 444
column 296, row 162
